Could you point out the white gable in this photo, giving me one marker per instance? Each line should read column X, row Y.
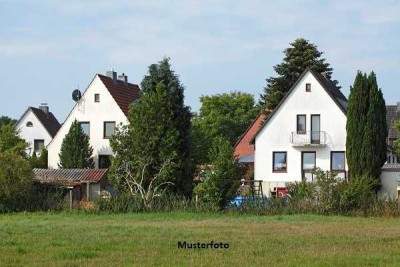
column 96, row 113
column 31, row 133
column 276, row 133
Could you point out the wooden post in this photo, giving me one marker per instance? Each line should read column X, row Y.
column 87, row 191
column 70, row 199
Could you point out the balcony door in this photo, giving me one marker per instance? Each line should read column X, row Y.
column 308, row 160
column 315, row 129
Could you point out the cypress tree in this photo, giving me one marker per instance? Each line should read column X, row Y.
column 301, row 55
column 366, row 127
column 76, row 151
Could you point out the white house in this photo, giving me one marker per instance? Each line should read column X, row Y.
column 102, row 106
column 37, row 126
column 307, row 129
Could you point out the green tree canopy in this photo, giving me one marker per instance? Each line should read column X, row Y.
column 76, row 151
column 222, row 115
column 10, row 140
column 301, row 55
column 158, row 131
column 366, row 127
column 7, row 120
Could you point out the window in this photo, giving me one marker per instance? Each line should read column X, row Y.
column 29, row 124
column 301, row 124
column 85, row 127
column 109, row 128
column 279, row 161
column 97, row 98
column 38, row 145
column 308, row 162
column 308, row 87
column 338, row 162
column 104, row 161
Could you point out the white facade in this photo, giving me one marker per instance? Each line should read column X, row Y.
column 96, row 113
column 279, row 134
column 30, row 129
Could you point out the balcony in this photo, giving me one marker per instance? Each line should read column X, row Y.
column 308, row 138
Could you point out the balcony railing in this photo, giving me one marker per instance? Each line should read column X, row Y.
column 308, row 138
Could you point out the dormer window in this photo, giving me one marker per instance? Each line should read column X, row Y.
column 308, row 87
column 29, row 124
column 96, row 98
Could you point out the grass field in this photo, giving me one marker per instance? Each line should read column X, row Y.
column 79, row 239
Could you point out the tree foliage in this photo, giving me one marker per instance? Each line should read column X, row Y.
column 222, row 180
column 222, row 115
column 301, row 55
column 15, row 180
column 76, row 151
column 41, row 161
column 7, row 120
column 158, row 131
column 366, row 127
column 10, row 140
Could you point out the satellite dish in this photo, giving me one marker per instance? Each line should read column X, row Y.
column 76, row 95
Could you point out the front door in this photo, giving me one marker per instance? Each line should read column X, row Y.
column 315, row 129
column 307, row 165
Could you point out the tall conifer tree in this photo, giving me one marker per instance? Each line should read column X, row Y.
column 76, row 151
column 159, row 125
column 301, row 55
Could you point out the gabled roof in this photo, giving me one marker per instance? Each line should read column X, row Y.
column 123, row 93
column 243, row 147
column 332, row 90
column 68, row 176
column 49, row 121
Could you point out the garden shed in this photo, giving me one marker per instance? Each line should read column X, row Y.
column 85, row 184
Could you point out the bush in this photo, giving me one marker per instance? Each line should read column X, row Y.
column 222, row 180
column 15, row 181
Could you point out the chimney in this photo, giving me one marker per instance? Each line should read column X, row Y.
column 398, row 107
column 112, row 74
column 45, row 108
column 123, row 78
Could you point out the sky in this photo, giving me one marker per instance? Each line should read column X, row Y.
column 49, row 48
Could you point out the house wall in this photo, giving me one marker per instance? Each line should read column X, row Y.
column 37, row 131
column 275, row 136
column 389, row 181
column 87, row 110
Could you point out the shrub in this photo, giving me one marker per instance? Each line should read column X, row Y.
column 222, row 180
column 15, row 181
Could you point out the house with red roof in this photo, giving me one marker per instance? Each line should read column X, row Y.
column 99, row 109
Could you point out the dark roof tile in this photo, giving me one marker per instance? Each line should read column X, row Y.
column 49, row 121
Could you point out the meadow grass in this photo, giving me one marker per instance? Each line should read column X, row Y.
column 150, row 239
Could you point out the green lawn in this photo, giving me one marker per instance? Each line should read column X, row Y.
column 63, row 239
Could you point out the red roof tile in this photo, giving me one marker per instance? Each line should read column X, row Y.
column 244, row 147
column 123, row 93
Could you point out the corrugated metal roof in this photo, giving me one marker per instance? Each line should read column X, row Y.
column 391, row 167
column 69, row 176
